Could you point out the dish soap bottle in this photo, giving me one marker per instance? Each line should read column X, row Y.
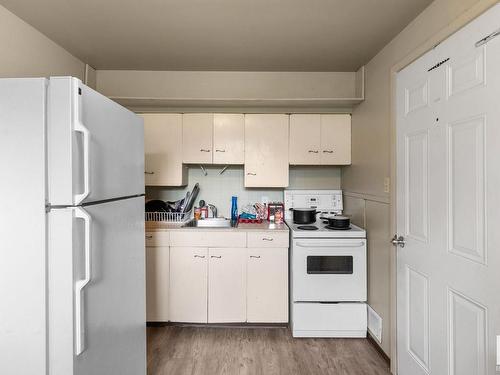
column 234, row 211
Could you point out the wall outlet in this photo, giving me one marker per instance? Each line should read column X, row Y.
column 387, row 185
column 264, row 200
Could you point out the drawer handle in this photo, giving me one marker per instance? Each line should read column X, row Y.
column 216, row 256
column 199, row 256
column 149, row 237
column 217, row 150
column 267, row 239
column 313, row 151
column 146, row 172
column 255, row 256
column 204, row 150
column 251, row 174
column 328, row 151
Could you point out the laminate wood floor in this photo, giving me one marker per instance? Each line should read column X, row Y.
column 175, row 350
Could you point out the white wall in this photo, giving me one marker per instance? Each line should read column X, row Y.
column 25, row 52
column 218, row 189
column 371, row 144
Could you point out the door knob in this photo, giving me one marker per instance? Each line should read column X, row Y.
column 398, row 241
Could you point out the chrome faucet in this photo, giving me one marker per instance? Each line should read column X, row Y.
column 213, row 209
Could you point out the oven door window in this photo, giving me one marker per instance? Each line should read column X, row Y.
column 338, row 265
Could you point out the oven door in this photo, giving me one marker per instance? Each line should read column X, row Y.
column 329, row 270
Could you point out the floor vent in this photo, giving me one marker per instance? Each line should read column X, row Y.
column 375, row 324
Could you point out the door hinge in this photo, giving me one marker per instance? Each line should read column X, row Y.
column 438, row 64
column 486, row 39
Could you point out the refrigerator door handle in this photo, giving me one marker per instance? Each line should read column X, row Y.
column 81, row 284
column 79, row 127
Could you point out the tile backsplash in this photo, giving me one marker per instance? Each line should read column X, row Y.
column 217, row 189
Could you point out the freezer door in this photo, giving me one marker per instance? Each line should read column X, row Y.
column 96, row 283
column 95, row 146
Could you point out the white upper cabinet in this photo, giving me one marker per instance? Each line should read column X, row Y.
column 229, row 138
column 266, row 150
column 336, row 139
column 163, row 150
column 197, row 138
column 305, row 139
column 320, row 139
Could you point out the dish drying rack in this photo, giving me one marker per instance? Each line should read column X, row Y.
column 168, row 217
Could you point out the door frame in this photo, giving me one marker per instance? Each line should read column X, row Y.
column 469, row 15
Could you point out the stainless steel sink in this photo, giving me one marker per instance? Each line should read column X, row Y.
column 219, row 222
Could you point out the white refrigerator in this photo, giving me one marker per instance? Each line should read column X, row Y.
column 72, row 269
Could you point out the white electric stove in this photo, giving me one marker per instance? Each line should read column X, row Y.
column 327, row 268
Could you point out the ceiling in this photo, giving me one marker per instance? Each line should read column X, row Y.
column 251, row 35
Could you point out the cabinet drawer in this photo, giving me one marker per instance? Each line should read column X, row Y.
column 267, row 239
column 208, row 239
column 155, row 239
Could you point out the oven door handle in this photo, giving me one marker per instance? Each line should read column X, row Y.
column 313, row 245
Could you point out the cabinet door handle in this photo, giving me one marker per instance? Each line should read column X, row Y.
column 217, row 150
column 149, row 237
column 216, row 256
column 267, row 239
column 146, row 172
column 313, row 151
column 328, row 151
column 199, row 256
column 251, row 174
column 204, row 150
column 255, row 256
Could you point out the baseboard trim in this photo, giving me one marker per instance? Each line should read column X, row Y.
column 377, row 347
column 218, row 325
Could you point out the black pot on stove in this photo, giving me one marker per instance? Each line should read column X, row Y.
column 338, row 222
column 304, row 215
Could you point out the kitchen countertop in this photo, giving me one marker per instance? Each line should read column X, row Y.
column 265, row 226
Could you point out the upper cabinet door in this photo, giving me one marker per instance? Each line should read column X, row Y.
column 229, row 139
column 336, row 139
column 266, row 150
column 197, row 134
column 163, row 150
column 305, row 139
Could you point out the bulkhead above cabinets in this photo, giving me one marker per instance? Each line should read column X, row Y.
column 266, row 144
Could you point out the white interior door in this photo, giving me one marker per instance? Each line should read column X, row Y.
column 95, row 147
column 448, row 116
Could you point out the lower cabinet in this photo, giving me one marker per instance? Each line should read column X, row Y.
column 157, row 283
column 188, row 284
column 267, row 285
column 227, row 285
